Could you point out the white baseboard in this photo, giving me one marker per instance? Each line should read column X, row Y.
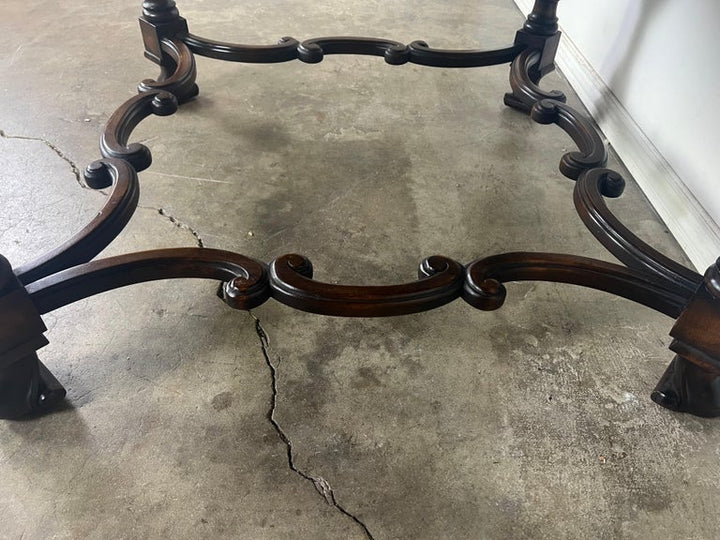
column 685, row 218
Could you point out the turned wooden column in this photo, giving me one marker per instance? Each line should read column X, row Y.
column 540, row 32
column 542, row 20
column 160, row 11
column 160, row 19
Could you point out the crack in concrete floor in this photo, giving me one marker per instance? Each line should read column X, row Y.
column 51, row 146
column 79, row 178
column 321, row 485
column 180, row 224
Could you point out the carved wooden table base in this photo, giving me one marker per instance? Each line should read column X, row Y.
column 69, row 273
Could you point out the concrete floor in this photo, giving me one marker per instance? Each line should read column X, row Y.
column 533, row 421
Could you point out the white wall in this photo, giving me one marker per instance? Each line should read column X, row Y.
column 649, row 72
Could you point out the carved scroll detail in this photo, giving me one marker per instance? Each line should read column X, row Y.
column 524, row 79
column 96, row 235
column 292, row 284
column 178, row 72
column 592, row 148
column 284, row 51
column 484, row 287
column 314, row 50
column 245, row 280
column 114, row 140
column 628, row 248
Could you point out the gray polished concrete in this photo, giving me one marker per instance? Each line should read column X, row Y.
column 533, row 421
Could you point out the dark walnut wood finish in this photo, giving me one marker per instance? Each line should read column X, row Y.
column 69, row 273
